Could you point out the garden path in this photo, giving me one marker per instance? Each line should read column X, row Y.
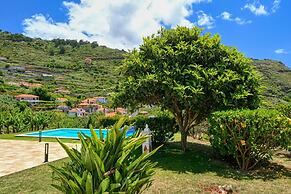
column 16, row 155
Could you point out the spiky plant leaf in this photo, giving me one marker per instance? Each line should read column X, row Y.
column 106, row 165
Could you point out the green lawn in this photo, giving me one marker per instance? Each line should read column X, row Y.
column 197, row 171
column 13, row 137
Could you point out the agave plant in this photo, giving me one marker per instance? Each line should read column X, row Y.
column 111, row 164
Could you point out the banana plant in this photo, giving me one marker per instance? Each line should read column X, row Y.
column 2, row 122
column 8, row 121
column 106, row 163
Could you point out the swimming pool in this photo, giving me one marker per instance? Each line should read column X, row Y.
column 70, row 133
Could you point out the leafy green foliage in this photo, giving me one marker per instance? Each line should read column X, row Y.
column 249, row 136
column 109, row 164
column 190, row 74
column 42, row 93
column 285, row 109
column 162, row 125
column 7, row 102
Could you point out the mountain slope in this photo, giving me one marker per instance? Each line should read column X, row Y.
column 82, row 68
column 87, row 69
column 276, row 80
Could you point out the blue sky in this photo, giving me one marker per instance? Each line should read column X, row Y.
column 259, row 28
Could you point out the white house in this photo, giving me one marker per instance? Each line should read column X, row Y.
column 101, row 99
column 76, row 112
column 27, row 98
column 63, row 108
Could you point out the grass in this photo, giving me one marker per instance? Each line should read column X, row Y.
column 197, row 171
column 44, row 139
column 35, row 180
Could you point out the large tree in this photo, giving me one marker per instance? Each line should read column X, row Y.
column 189, row 73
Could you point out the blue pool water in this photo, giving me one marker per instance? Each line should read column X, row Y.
column 70, row 133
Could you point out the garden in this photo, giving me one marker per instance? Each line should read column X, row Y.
column 210, row 132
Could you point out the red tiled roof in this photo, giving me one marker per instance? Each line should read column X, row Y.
column 110, row 114
column 88, row 104
column 62, row 99
column 26, row 84
column 73, row 110
column 121, row 110
column 26, row 96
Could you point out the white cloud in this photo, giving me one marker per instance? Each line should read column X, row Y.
column 259, row 9
column 276, row 5
column 117, row 24
column 281, row 51
column 205, row 20
column 228, row 17
column 256, row 8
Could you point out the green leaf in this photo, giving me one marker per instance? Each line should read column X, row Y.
column 89, row 184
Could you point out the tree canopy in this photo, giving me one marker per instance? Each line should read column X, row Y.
column 189, row 73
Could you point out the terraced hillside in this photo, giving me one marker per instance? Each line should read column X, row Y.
column 78, row 68
column 87, row 69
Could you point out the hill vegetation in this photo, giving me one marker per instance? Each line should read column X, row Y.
column 276, row 81
column 80, row 68
column 64, row 66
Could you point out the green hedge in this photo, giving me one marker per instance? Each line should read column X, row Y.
column 249, row 136
column 163, row 126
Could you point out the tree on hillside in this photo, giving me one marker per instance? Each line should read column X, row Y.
column 62, row 50
column 188, row 73
column 42, row 92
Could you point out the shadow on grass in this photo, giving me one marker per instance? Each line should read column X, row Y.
column 201, row 159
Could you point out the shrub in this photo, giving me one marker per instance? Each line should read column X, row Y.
column 43, row 93
column 249, row 136
column 162, row 125
column 109, row 164
column 103, row 121
column 285, row 109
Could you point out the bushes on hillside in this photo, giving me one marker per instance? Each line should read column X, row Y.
column 285, row 109
column 43, row 93
column 249, row 136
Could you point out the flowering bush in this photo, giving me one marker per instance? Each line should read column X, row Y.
column 249, row 136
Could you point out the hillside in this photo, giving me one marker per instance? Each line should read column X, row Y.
column 78, row 68
column 87, row 69
column 276, row 80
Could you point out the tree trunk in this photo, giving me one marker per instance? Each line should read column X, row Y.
column 184, row 140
